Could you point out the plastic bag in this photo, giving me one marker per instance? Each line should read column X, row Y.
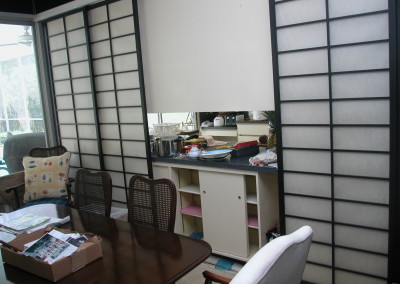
column 264, row 158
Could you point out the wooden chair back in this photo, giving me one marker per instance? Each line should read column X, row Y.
column 93, row 192
column 47, row 152
column 19, row 188
column 152, row 203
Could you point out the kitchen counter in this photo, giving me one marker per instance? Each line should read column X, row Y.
column 238, row 163
column 234, row 127
column 247, row 195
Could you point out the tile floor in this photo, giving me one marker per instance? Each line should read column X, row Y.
column 196, row 276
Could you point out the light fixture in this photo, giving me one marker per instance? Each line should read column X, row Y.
column 26, row 38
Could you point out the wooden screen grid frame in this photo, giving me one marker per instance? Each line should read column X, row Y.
column 96, row 76
column 309, row 51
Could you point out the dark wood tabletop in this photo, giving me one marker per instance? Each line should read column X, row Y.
column 131, row 254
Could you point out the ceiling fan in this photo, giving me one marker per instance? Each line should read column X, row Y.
column 24, row 39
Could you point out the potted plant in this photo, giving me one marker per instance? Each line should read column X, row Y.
column 271, row 117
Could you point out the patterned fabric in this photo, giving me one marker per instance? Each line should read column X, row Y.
column 46, row 177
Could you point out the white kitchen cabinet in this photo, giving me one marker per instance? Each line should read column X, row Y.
column 223, row 203
column 251, row 130
column 231, row 208
column 219, row 131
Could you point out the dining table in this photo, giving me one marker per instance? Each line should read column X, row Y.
column 131, row 253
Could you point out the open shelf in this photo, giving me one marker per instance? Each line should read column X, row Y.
column 220, row 206
column 192, row 226
column 192, row 210
column 252, row 221
column 251, row 190
column 192, row 188
column 252, row 198
column 253, row 248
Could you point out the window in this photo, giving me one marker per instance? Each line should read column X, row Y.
column 20, row 101
column 187, row 120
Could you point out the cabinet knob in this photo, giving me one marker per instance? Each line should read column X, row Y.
column 239, row 197
column 204, row 191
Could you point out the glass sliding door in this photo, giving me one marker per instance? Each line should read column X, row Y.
column 20, row 99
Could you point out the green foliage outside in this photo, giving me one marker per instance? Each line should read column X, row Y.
column 4, row 136
column 271, row 117
column 34, row 108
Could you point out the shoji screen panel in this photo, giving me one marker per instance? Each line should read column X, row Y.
column 98, row 91
column 118, row 93
column 73, row 92
column 332, row 62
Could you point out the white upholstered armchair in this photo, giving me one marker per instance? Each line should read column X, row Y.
column 281, row 261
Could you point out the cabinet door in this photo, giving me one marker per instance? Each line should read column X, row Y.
column 253, row 129
column 223, row 203
column 160, row 172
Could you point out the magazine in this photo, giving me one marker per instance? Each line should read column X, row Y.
column 54, row 246
column 25, row 221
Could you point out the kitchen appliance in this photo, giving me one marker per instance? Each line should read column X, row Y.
column 168, row 147
column 219, row 121
column 230, row 120
column 239, row 117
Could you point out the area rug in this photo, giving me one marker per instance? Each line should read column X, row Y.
column 219, row 262
column 223, row 263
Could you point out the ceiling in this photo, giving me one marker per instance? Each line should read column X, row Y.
column 30, row 6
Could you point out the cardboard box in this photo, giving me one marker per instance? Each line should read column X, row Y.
column 86, row 253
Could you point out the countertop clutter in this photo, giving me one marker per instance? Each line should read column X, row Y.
column 237, row 158
column 243, row 149
column 239, row 163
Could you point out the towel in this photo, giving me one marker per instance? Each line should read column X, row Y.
column 211, row 142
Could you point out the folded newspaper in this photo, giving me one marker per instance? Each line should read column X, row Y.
column 54, row 245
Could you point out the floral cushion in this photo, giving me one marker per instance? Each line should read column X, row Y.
column 46, row 177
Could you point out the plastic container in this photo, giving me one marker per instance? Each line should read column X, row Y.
column 166, row 130
column 245, row 151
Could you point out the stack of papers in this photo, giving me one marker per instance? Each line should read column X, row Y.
column 26, row 221
column 10, row 227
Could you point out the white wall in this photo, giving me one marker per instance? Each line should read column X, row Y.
column 209, row 55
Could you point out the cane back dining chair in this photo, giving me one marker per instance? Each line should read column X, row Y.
column 152, row 203
column 93, row 192
column 18, row 189
column 42, row 152
column 281, row 261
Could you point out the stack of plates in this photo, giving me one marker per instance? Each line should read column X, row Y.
column 215, row 155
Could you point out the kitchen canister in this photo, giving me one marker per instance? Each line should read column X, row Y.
column 219, row 121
